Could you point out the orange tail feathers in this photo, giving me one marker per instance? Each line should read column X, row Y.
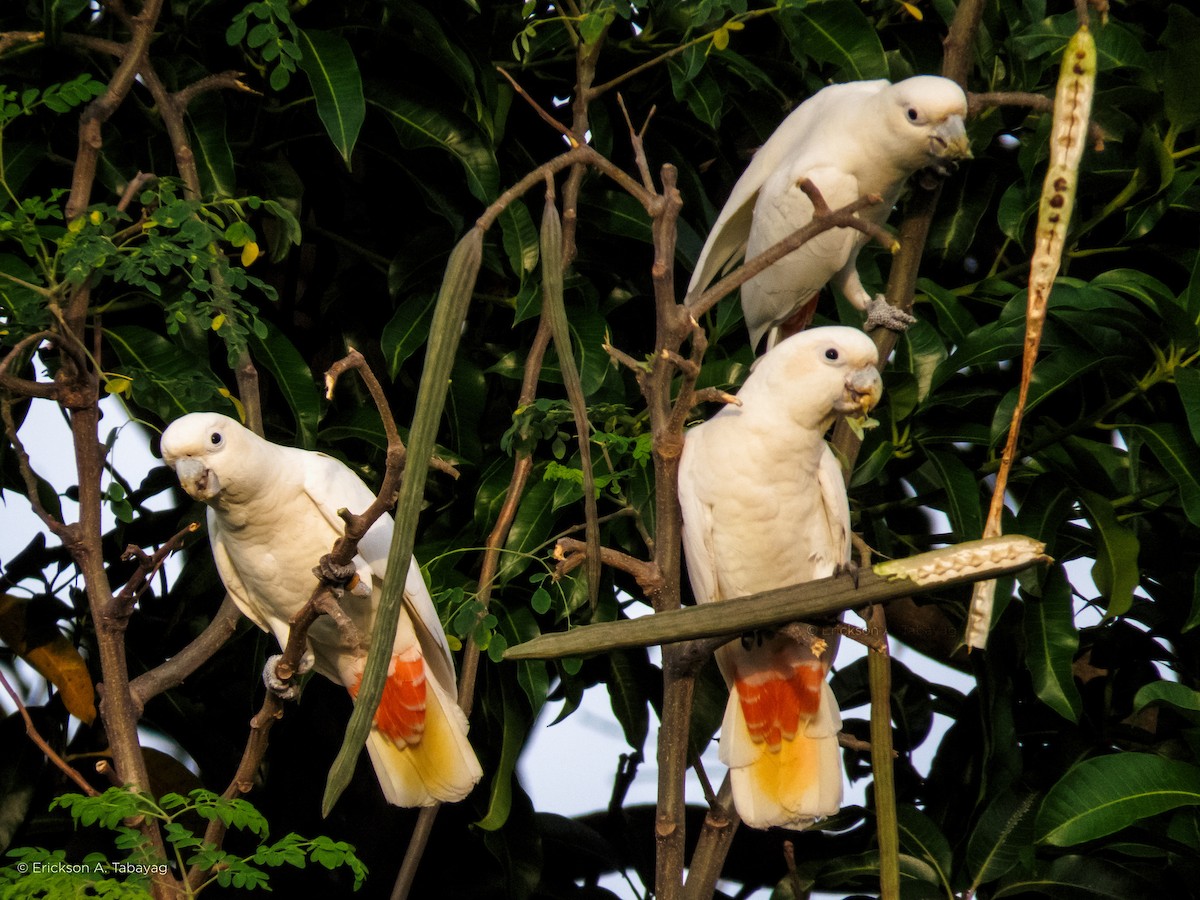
column 779, row 739
column 419, row 745
column 401, row 712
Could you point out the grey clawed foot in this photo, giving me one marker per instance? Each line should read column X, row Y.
column 284, row 690
column 880, row 313
column 849, row 567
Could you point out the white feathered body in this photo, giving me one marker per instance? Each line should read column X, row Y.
column 272, row 515
column 764, row 506
column 850, row 140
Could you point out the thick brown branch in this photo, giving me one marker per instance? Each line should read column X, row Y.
column 175, row 670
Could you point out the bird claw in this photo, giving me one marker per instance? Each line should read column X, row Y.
column 284, row 690
column 849, row 567
column 338, row 575
column 880, row 313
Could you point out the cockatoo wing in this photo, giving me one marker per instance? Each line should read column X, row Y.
column 420, row 759
column 819, row 115
column 833, row 493
column 332, row 486
column 698, row 537
column 783, row 287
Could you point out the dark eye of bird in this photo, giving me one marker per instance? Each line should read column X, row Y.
column 831, row 354
column 912, row 115
column 215, row 438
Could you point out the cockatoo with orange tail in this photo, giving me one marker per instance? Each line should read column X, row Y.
column 849, row 140
column 764, row 506
column 272, row 515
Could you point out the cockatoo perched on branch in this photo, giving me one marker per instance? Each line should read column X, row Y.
column 272, row 515
column 764, row 506
column 850, row 140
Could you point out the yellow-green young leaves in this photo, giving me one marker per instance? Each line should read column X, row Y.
column 1068, row 134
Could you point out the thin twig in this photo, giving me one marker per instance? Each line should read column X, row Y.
column 537, row 108
column 31, row 730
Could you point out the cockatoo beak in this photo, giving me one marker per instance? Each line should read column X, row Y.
column 200, row 482
column 864, row 387
column 948, row 144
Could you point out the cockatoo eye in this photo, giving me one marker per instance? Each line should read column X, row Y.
column 831, row 354
column 912, row 114
column 216, row 439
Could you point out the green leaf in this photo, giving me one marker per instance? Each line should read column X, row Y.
column 921, row 837
column 1104, row 795
column 1187, row 381
column 165, row 378
column 1116, row 569
column 1181, row 459
column 1078, row 878
column 422, row 126
column 1172, row 692
column 294, row 378
column 406, row 331
column 465, row 404
column 500, row 797
column 962, row 494
column 332, row 71
column 520, row 237
column 1181, row 73
column 1193, row 618
column 838, row 32
column 1050, row 374
column 953, row 319
column 989, row 344
column 1051, row 642
column 214, row 159
column 1047, row 504
column 629, row 701
column 1003, row 834
column 920, row 353
column 530, row 529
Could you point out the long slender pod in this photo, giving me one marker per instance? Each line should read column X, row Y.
column 1068, row 135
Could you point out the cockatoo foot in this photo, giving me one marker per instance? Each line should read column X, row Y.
column 284, row 690
column 339, row 575
column 881, row 313
column 849, row 567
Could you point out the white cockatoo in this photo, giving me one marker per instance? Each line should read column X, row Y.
column 272, row 515
column 764, row 506
column 850, row 140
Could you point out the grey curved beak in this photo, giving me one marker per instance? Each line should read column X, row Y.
column 200, row 482
column 949, row 144
column 864, row 387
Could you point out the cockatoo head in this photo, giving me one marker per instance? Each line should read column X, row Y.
column 210, row 453
column 925, row 117
column 818, row 374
